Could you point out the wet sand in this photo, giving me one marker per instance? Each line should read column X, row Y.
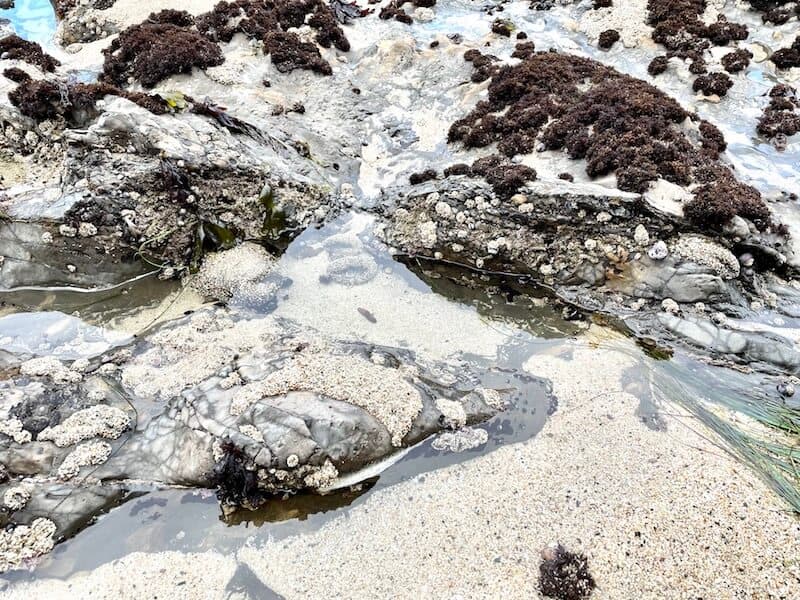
column 658, row 514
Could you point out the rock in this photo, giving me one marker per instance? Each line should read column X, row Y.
column 670, row 306
column 302, row 412
column 640, row 235
column 703, row 251
column 461, row 440
column 15, row 498
column 658, row 251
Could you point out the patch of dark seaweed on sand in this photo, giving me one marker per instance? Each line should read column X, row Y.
column 713, row 84
column 782, row 116
column 776, row 12
column 737, row 60
column 16, row 75
column 15, row 48
column 394, row 10
column 158, row 48
column 422, row 177
column 565, row 575
column 786, row 58
column 172, row 41
column 617, row 123
column 43, row 99
column 259, row 19
column 505, row 178
column 678, row 26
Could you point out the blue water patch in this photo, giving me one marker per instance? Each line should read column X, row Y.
column 34, row 20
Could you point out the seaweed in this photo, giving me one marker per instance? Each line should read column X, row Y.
column 394, row 10
column 457, row 169
column 565, row 575
column 505, row 178
column 422, row 177
column 15, row 48
column 483, row 65
column 289, row 52
column 736, row 61
column 42, row 99
column 713, row 84
column 786, row 58
column 235, row 477
column 678, row 26
column 711, row 139
column 618, row 123
column 608, row 38
column 658, row 65
column 347, row 11
column 782, row 115
column 716, row 203
column 502, row 27
column 523, row 50
column 154, row 50
column 16, row 75
column 172, row 41
column 257, row 19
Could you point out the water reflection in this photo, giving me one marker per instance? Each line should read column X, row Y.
column 34, row 20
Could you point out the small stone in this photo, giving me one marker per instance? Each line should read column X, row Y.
column 640, row 235
column 494, row 246
column 603, row 217
column 87, row 230
column 747, row 260
column 518, row 199
column 670, row 306
column 292, row 461
column 444, row 210
column 590, row 244
column 67, row 231
column 16, row 498
column 658, row 251
column 786, row 389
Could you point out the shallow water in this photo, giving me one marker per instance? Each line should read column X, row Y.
column 33, row 20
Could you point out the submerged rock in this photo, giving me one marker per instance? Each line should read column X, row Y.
column 267, row 408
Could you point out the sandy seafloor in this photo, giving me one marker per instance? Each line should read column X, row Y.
column 659, row 514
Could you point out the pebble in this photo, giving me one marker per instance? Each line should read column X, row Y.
column 67, row 231
column 640, row 235
column 669, row 305
column 658, row 251
column 17, row 497
column 444, row 210
column 747, row 260
column 603, row 217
